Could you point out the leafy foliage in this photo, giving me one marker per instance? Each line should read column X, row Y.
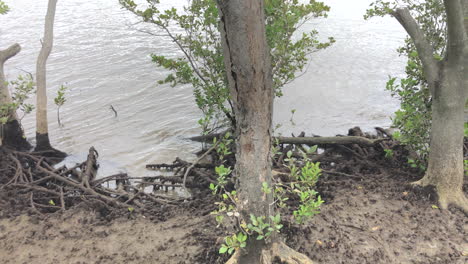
column 413, row 119
column 3, row 8
column 302, row 186
column 59, row 100
column 224, row 146
column 233, row 242
column 303, row 177
column 195, row 32
column 263, row 229
column 23, row 87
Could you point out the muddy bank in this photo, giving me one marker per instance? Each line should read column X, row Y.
column 371, row 214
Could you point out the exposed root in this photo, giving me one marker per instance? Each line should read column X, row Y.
column 277, row 251
column 456, row 199
column 285, row 254
column 425, row 181
column 50, row 189
column 235, row 258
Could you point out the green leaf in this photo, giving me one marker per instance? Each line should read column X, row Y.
column 312, row 149
column 223, row 249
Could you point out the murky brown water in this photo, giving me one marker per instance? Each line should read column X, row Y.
column 104, row 61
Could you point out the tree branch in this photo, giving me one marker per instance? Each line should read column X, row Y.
column 9, row 52
column 424, row 48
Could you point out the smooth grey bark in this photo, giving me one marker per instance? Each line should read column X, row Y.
column 42, row 136
column 11, row 133
column 447, row 82
column 465, row 63
column 248, row 68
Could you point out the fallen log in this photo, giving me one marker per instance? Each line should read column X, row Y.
column 338, row 140
column 345, row 140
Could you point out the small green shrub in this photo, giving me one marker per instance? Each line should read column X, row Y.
column 23, row 88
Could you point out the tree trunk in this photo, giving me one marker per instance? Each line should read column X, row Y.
column 445, row 170
column 447, row 81
column 248, row 68
column 11, row 133
column 42, row 131
column 465, row 60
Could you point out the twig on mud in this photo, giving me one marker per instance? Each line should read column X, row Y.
column 342, row 174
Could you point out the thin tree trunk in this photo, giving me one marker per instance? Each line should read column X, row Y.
column 42, row 131
column 11, row 133
column 248, row 67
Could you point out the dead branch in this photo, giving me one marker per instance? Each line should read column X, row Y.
column 91, row 167
column 197, row 161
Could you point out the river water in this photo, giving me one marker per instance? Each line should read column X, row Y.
column 104, row 60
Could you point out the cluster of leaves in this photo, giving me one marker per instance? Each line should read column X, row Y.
column 59, row 100
column 23, row 88
column 258, row 227
column 413, row 119
column 227, row 206
column 3, row 8
column 302, row 184
column 233, row 242
column 228, row 199
column 262, row 229
column 303, row 179
column 195, row 32
column 224, row 146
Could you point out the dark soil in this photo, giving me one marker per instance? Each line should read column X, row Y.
column 371, row 214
